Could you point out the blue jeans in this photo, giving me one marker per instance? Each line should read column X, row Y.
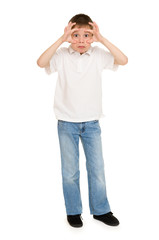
column 90, row 135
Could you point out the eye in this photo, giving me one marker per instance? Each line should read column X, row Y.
column 86, row 35
column 76, row 35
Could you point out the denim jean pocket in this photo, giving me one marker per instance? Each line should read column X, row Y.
column 61, row 123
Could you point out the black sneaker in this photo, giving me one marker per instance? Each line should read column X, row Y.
column 108, row 219
column 75, row 220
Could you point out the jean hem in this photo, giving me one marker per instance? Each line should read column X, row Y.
column 101, row 213
column 72, row 214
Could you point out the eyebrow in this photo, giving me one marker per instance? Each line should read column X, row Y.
column 85, row 32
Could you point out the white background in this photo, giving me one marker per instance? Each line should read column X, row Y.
column 31, row 199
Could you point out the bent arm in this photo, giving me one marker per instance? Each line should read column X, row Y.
column 44, row 59
column 119, row 57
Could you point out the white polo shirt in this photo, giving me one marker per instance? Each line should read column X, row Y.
column 78, row 94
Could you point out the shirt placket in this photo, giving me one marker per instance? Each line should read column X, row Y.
column 79, row 65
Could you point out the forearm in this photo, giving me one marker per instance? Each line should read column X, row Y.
column 44, row 59
column 119, row 57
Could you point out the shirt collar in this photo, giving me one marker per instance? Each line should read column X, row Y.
column 71, row 50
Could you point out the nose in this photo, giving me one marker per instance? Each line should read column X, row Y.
column 81, row 39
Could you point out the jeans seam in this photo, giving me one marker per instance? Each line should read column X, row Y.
column 89, row 181
column 90, row 189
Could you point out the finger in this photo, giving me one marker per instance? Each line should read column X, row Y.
column 96, row 25
column 74, row 30
column 72, row 24
column 69, row 24
column 88, row 30
column 92, row 24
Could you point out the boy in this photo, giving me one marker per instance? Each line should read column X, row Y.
column 78, row 108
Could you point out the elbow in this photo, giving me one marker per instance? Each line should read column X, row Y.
column 122, row 61
column 39, row 63
column 125, row 61
column 42, row 64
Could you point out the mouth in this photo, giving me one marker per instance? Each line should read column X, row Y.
column 81, row 46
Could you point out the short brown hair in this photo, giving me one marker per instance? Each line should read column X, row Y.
column 81, row 20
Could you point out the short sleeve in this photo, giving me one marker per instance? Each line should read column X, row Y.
column 55, row 62
column 107, row 60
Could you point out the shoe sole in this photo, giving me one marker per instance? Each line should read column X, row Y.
column 112, row 225
column 76, row 226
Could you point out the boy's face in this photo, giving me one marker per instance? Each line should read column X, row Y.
column 81, row 37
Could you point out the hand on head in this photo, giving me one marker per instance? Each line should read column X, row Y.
column 69, row 30
column 96, row 36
